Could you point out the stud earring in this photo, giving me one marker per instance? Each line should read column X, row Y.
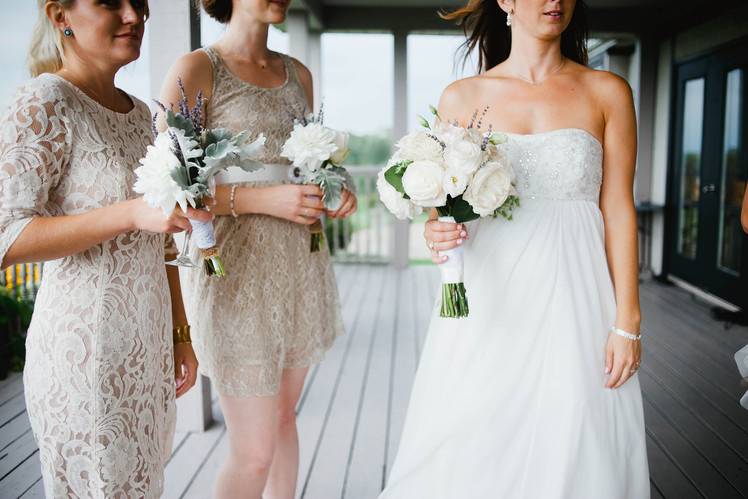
column 509, row 19
column 67, row 32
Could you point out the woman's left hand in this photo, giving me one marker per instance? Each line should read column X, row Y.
column 348, row 206
column 185, row 367
column 622, row 359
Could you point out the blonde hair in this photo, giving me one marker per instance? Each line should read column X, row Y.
column 46, row 52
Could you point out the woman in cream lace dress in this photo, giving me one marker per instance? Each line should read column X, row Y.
column 99, row 378
column 277, row 312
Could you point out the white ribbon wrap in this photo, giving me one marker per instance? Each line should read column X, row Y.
column 203, row 234
column 452, row 269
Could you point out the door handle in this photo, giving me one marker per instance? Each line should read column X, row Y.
column 708, row 188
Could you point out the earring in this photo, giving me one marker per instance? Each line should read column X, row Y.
column 67, row 32
column 509, row 19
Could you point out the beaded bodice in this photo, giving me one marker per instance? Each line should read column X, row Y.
column 564, row 164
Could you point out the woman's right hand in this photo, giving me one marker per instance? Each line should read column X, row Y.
column 301, row 204
column 442, row 236
column 149, row 219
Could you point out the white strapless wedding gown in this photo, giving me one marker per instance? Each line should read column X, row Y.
column 510, row 402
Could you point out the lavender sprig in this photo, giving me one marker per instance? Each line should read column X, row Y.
column 184, row 107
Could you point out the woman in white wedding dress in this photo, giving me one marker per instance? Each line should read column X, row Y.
column 534, row 395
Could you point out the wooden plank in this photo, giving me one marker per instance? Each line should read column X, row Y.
column 365, row 470
column 314, row 417
column 709, row 481
column 36, row 491
column 325, row 476
column 204, row 481
column 403, row 367
column 665, row 475
column 12, row 409
column 187, row 461
column 690, row 324
column 676, row 367
column 720, row 454
column 678, row 385
column 11, row 387
column 13, row 430
column 25, row 475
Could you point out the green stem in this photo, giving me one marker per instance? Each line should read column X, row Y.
column 454, row 301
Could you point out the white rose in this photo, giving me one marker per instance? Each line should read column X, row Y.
column 449, row 133
column 455, row 182
column 489, row 189
column 423, row 181
column 342, row 152
column 464, row 155
column 309, row 146
column 419, row 146
column 394, row 201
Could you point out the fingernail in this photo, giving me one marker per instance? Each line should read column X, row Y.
column 463, row 234
column 607, row 370
column 459, row 241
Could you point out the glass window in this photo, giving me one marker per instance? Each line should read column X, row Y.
column 690, row 168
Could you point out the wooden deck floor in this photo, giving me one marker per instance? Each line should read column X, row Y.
column 352, row 408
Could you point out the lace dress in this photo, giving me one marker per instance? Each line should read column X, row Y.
column 99, row 377
column 510, row 402
column 278, row 307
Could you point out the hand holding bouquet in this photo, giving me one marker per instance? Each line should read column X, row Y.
column 459, row 171
column 318, row 153
column 179, row 168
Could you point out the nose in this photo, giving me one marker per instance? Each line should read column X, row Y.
column 130, row 14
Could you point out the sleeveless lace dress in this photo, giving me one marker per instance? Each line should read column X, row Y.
column 510, row 402
column 278, row 306
column 99, row 376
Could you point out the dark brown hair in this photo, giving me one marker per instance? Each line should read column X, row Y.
column 220, row 10
column 484, row 24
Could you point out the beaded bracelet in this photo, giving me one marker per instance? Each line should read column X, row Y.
column 181, row 334
column 232, row 199
column 625, row 334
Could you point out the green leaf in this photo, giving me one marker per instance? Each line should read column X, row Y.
column 434, row 111
column 177, row 120
column 181, row 177
column 424, row 122
column 462, row 211
column 394, row 176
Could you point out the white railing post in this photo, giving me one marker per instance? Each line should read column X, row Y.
column 401, row 228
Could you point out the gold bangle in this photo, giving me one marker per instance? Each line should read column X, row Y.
column 232, row 200
column 181, row 334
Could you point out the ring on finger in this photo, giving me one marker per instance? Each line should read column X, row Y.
column 431, row 245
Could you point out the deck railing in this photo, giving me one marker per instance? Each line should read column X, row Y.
column 22, row 280
column 365, row 237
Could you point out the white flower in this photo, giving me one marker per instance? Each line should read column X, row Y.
column 449, row 133
column 419, row 146
column 342, row 152
column 464, row 155
column 309, row 146
column 394, row 201
column 154, row 178
column 455, row 182
column 489, row 189
column 423, row 181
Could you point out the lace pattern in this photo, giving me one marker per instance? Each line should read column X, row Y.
column 99, row 371
column 278, row 307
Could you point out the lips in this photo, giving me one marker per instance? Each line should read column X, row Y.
column 554, row 14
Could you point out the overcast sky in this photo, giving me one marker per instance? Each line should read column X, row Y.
column 357, row 69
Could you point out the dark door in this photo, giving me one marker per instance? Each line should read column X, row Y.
column 707, row 246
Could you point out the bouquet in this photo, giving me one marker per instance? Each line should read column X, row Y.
column 317, row 153
column 459, row 171
column 179, row 169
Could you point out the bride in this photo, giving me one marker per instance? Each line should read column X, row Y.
column 535, row 394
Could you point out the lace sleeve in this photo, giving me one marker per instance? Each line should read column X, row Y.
column 34, row 146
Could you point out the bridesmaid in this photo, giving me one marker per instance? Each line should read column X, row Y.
column 100, row 368
column 277, row 312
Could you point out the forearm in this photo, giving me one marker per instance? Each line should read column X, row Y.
column 744, row 213
column 247, row 200
column 178, row 315
column 621, row 246
column 50, row 238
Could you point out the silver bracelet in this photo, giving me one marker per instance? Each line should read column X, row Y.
column 232, row 199
column 625, row 334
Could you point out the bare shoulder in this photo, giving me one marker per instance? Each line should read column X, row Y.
column 195, row 70
column 610, row 90
column 456, row 98
column 304, row 74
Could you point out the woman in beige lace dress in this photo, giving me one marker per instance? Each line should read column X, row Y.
column 277, row 312
column 100, row 368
